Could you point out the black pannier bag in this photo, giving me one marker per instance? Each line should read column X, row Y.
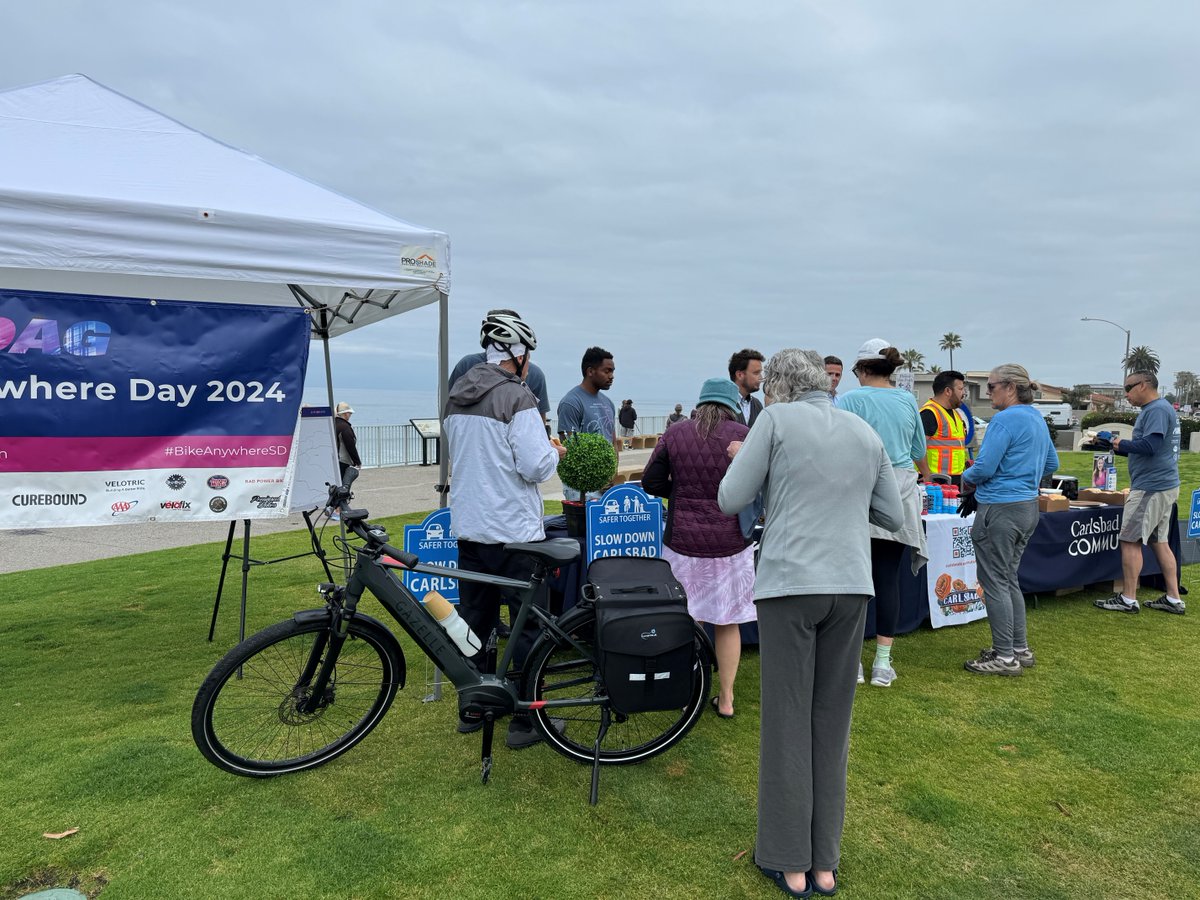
column 644, row 636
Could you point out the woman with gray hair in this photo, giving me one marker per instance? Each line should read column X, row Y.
column 1002, row 489
column 826, row 476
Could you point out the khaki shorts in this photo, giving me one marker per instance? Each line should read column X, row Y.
column 1148, row 516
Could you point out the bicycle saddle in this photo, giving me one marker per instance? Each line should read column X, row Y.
column 554, row 552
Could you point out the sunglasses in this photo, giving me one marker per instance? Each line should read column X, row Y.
column 992, row 385
column 1130, row 387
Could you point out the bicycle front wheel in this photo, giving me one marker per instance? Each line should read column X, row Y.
column 267, row 723
column 556, row 670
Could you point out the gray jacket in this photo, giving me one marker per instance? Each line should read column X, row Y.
column 825, row 475
column 499, row 454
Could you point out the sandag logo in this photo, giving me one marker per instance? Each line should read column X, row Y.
column 217, row 504
column 176, row 482
column 218, row 482
column 123, row 506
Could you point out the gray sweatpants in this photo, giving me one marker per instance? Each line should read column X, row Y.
column 1000, row 534
column 809, row 648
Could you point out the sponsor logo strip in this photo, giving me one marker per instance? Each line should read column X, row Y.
column 101, row 454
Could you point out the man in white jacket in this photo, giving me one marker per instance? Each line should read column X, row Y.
column 499, row 454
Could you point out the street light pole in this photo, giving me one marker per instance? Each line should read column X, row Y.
column 1125, row 360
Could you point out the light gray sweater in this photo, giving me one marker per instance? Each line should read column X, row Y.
column 825, row 475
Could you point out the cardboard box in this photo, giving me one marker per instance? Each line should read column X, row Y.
column 1114, row 498
column 1053, row 503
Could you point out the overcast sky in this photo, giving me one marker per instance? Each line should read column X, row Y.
column 674, row 181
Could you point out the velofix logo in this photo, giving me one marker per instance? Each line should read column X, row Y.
column 123, row 506
column 175, row 504
column 176, row 482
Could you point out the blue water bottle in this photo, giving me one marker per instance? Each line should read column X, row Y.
column 939, row 505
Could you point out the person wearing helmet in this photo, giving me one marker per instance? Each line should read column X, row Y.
column 535, row 379
column 499, row 453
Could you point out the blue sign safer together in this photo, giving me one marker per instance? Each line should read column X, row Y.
column 626, row 521
column 433, row 542
column 1194, row 518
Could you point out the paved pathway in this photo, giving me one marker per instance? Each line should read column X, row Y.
column 385, row 492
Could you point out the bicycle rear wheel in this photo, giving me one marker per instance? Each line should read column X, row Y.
column 254, row 725
column 556, row 670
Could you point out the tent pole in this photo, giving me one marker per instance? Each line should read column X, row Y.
column 443, row 396
column 328, row 366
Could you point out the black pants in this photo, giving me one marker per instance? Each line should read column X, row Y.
column 479, row 604
column 885, row 575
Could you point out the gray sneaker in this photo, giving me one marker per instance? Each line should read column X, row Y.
column 1024, row 657
column 1162, row 603
column 990, row 663
column 1117, row 604
column 882, row 676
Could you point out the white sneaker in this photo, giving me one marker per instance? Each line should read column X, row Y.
column 882, row 676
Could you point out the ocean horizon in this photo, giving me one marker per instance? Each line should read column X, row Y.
column 395, row 406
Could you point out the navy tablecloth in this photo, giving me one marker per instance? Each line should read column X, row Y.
column 1069, row 548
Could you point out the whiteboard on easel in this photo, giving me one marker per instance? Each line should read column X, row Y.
column 315, row 458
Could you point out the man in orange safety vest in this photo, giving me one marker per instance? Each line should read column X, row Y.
column 945, row 431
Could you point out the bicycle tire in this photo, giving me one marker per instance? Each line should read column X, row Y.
column 556, row 670
column 251, row 725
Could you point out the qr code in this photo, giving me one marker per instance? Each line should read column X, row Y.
column 961, row 545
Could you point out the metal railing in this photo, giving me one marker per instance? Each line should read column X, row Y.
column 401, row 445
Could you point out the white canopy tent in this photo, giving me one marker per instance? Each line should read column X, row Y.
column 100, row 194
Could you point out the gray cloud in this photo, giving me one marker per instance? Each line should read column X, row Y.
column 677, row 180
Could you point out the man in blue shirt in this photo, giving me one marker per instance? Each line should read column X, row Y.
column 1153, row 453
column 583, row 410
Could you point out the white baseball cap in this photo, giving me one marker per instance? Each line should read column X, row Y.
column 344, row 408
column 872, row 349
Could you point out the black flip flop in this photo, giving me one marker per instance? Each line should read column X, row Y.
column 717, row 709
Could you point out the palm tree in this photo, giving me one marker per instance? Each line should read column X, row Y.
column 933, row 370
column 1185, row 386
column 914, row 360
column 1141, row 359
column 950, row 341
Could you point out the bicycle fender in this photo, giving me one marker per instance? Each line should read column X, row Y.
column 708, row 653
column 381, row 631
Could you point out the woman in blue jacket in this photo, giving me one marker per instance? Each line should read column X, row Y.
column 1016, row 455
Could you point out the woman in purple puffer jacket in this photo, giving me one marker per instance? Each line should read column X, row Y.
column 704, row 546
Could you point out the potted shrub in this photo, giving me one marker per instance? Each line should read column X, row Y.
column 588, row 467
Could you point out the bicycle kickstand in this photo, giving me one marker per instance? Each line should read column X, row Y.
column 489, row 726
column 605, row 718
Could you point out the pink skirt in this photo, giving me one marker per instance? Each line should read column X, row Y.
column 720, row 590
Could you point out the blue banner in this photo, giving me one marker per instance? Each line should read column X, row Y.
column 169, row 409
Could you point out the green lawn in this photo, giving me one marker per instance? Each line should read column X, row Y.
column 1080, row 779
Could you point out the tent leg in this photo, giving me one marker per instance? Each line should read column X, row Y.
column 443, row 395
column 212, row 626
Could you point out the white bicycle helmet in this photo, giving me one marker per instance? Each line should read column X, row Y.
column 503, row 326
